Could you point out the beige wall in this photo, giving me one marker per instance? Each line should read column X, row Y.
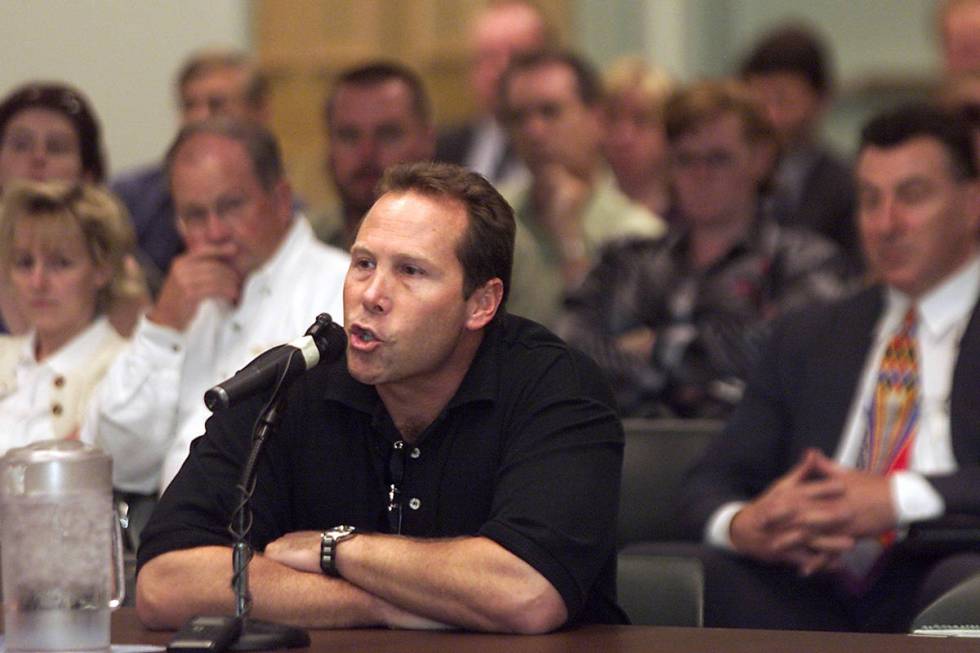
column 121, row 53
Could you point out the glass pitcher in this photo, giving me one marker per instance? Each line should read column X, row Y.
column 61, row 547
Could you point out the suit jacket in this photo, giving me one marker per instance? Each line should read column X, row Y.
column 828, row 202
column 800, row 396
column 453, row 145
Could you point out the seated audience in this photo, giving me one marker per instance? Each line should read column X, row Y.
column 211, row 83
column 553, row 106
column 253, row 276
column 377, row 115
column 472, row 458
column 676, row 322
column 861, row 419
column 635, row 145
column 62, row 250
column 499, row 32
column 789, row 72
column 48, row 131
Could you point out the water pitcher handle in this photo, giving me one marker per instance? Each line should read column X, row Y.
column 117, row 559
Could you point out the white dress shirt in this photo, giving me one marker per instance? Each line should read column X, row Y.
column 943, row 315
column 44, row 400
column 151, row 405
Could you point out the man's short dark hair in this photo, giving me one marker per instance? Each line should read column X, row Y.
column 588, row 83
column 203, row 62
column 794, row 49
column 486, row 250
column 379, row 72
column 259, row 143
column 898, row 126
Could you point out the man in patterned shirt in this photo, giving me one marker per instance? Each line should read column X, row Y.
column 676, row 322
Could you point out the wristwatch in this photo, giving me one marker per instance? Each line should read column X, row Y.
column 329, row 539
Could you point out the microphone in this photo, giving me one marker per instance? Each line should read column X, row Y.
column 324, row 341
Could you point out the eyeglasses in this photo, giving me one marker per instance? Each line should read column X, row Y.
column 396, row 475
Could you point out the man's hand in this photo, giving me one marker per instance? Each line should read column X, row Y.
column 863, row 509
column 560, row 197
column 774, row 527
column 193, row 277
column 299, row 550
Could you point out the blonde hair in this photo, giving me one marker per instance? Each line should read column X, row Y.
column 101, row 218
column 633, row 74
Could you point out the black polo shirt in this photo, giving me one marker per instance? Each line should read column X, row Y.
column 527, row 453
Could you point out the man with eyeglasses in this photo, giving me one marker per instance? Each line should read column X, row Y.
column 458, row 467
column 253, row 276
column 677, row 322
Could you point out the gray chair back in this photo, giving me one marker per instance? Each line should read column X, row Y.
column 658, row 454
column 657, row 590
column 959, row 606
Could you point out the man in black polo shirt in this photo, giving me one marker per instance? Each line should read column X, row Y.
column 476, row 456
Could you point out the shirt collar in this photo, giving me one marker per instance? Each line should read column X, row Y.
column 940, row 309
column 75, row 353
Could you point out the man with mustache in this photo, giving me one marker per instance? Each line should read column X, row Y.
column 377, row 115
column 460, row 466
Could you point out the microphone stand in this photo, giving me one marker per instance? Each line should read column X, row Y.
column 251, row 634
column 257, row 635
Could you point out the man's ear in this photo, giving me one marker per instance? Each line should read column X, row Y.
column 483, row 304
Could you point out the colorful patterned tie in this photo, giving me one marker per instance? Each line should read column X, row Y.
column 893, row 419
column 893, row 416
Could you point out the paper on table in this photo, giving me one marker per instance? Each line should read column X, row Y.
column 116, row 648
column 949, row 630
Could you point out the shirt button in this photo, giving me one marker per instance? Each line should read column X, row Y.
column 56, row 409
column 59, row 381
column 398, row 445
column 414, row 504
column 415, row 453
column 175, row 348
column 236, row 327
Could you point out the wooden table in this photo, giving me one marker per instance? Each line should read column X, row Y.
column 126, row 629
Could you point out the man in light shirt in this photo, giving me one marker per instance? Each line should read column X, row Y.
column 253, row 276
column 795, row 513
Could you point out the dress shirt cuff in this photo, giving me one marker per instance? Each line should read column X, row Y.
column 717, row 532
column 914, row 499
column 162, row 344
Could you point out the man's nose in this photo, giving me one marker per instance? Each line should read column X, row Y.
column 216, row 227
column 375, row 297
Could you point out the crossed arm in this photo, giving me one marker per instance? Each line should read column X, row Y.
column 387, row 580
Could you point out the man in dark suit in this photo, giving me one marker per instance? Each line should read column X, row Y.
column 789, row 72
column 499, row 32
column 805, row 501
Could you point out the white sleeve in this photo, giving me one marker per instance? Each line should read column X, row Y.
column 717, row 530
column 180, row 445
column 914, row 499
column 134, row 413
